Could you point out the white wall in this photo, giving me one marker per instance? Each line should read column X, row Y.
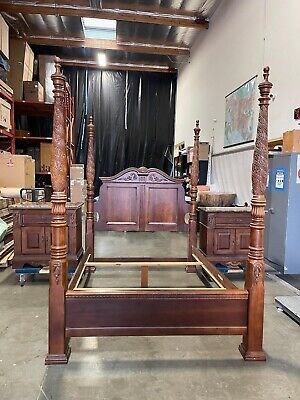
column 243, row 37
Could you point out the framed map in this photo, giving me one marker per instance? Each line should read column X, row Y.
column 239, row 114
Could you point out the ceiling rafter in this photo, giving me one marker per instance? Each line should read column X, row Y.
column 125, row 45
column 160, row 16
column 119, row 65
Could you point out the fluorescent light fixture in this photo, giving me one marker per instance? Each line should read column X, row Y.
column 102, row 60
column 96, row 28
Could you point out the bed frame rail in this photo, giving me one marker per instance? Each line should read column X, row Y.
column 156, row 312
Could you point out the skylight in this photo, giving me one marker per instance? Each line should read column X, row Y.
column 95, row 28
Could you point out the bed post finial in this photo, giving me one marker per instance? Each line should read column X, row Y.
column 251, row 347
column 58, row 352
column 193, row 192
column 90, row 175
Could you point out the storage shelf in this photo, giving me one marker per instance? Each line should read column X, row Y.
column 33, row 139
column 34, row 108
column 6, row 133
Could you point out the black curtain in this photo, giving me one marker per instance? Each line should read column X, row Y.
column 133, row 115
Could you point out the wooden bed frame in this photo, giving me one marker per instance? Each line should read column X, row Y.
column 143, row 200
column 221, row 308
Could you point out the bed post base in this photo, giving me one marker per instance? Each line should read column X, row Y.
column 55, row 359
column 252, row 355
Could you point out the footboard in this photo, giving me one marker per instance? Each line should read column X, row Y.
column 156, row 312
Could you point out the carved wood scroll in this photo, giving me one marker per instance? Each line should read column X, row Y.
column 90, row 175
column 251, row 348
column 193, row 192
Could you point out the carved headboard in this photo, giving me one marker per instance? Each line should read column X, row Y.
column 141, row 199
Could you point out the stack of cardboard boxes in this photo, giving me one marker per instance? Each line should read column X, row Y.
column 77, row 184
column 21, row 72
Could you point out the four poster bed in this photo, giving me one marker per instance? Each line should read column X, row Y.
column 218, row 308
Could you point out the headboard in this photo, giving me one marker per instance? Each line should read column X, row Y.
column 141, row 199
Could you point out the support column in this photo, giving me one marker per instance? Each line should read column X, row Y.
column 251, row 346
column 59, row 350
column 90, row 176
column 193, row 194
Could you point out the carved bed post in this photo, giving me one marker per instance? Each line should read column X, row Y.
column 193, row 193
column 90, row 175
column 59, row 350
column 251, row 347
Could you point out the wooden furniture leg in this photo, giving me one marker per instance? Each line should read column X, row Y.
column 251, row 347
column 90, row 175
column 59, row 350
column 192, row 241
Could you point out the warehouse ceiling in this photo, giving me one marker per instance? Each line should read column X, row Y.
column 150, row 34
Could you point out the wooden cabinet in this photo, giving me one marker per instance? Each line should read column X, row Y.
column 32, row 233
column 224, row 233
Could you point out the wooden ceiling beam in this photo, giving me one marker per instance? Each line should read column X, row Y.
column 159, row 16
column 120, row 66
column 103, row 44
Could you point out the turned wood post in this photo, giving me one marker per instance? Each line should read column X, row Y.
column 90, row 176
column 193, row 193
column 251, row 347
column 58, row 352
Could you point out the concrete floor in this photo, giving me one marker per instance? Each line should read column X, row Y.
column 148, row 368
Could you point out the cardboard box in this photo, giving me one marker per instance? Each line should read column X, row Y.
column 21, row 66
column 77, row 171
column 4, row 37
column 16, row 171
column 77, row 190
column 5, row 111
column 33, row 91
column 291, row 141
column 45, row 151
column 203, row 152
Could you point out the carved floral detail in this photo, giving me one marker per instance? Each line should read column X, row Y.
column 131, row 177
column 211, row 220
column 156, row 178
column 257, row 269
column 56, row 270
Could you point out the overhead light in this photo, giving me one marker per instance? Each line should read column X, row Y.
column 97, row 28
column 102, row 60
